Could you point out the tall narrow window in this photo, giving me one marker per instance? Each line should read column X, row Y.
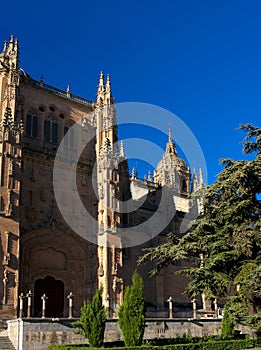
column 35, row 126
column 31, row 127
column 54, row 132
column 50, row 130
column 69, row 139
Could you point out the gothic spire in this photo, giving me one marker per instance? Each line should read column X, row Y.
column 194, row 180
column 201, row 180
column 108, row 84
column 101, row 88
column 108, row 93
column 170, row 135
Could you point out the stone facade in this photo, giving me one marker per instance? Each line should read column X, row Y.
column 39, row 250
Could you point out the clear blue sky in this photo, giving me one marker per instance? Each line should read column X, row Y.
column 199, row 59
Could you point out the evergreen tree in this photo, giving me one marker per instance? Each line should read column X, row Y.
column 92, row 321
column 227, row 329
column 227, row 236
column 132, row 313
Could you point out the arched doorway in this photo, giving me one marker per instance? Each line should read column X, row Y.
column 54, row 290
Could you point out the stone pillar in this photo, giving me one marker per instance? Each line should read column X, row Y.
column 216, row 307
column 29, row 303
column 44, row 298
column 5, row 280
column 108, row 299
column 70, row 298
column 170, row 300
column 194, row 303
column 21, row 304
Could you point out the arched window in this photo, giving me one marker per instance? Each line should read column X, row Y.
column 69, row 139
column 184, row 186
column 31, row 128
column 50, row 130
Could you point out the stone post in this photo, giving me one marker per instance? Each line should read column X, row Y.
column 194, row 303
column 70, row 298
column 21, row 304
column 216, row 307
column 44, row 298
column 170, row 300
column 5, row 280
column 108, row 299
column 29, row 303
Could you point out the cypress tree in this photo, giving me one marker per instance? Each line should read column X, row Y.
column 132, row 313
column 92, row 321
column 227, row 329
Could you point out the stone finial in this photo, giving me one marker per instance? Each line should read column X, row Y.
column 170, row 146
column 41, row 79
column 108, row 84
column 170, row 301
column 68, row 91
column 194, row 305
column 149, row 176
column 101, row 88
column 70, row 298
column 201, row 180
column 21, row 303
column 122, row 151
column 5, row 46
column 133, row 174
column 108, row 93
column 170, row 134
column 44, row 297
column 29, row 296
column 194, row 180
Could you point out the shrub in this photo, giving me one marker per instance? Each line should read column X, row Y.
column 132, row 313
column 92, row 321
column 227, row 328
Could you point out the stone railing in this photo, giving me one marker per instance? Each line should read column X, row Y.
column 59, row 92
column 27, row 334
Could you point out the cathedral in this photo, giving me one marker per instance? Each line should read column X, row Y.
column 47, row 243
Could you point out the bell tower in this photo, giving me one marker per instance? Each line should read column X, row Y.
column 11, row 130
column 108, row 184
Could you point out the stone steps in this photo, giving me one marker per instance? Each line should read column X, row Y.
column 5, row 343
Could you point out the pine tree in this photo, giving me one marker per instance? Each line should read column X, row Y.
column 92, row 321
column 132, row 313
column 227, row 236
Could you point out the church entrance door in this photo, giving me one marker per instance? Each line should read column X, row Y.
column 54, row 290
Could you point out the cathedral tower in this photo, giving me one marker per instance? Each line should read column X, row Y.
column 11, row 130
column 108, row 183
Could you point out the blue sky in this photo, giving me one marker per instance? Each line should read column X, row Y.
column 198, row 59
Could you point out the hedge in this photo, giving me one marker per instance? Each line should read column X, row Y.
column 210, row 345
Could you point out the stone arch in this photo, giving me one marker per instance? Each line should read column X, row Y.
column 54, row 290
column 62, row 256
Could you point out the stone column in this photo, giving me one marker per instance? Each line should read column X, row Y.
column 108, row 299
column 170, row 300
column 216, row 307
column 5, row 280
column 44, row 298
column 29, row 303
column 21, row 304
column 70, row 298
column 194, row 308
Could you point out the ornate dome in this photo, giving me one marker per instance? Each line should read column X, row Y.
column 172, row 170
